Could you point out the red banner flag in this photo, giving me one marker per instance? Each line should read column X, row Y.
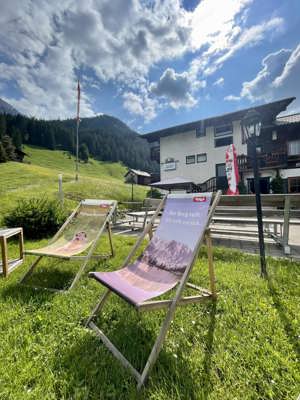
column 232, row 171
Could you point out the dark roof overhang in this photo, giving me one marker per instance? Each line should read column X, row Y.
column 269, row 111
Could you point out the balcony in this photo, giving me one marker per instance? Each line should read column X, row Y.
column 265, row 160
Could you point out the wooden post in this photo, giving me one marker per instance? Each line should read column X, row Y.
column 286, row 225
column 4, row 256
column 110, row 239
column 211, row 270
column 60, row 189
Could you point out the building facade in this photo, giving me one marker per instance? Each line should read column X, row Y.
column 196, row 150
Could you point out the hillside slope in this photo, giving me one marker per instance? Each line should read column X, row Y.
column 106, row 138
column 40, row 178
column 6, row 108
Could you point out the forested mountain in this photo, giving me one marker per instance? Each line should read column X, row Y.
column 7, row 108
column 104, row 137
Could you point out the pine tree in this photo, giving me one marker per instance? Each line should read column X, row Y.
column 16, row 138
column 9, row 148
column 2, row 126
column 3, row 157
column 83, row 152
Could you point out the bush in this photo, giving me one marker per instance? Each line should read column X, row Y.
column 242, row 187
column 277, row 184
column 39, row 217
column 154, row 193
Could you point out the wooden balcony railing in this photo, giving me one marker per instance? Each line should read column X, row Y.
column 265, row 160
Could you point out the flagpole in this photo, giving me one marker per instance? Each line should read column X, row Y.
column 77, row 131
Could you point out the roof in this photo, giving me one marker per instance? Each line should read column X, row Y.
column 173, row 183
column 21, row 152
column 138, row 172
column 288, row 119
column 269, row 111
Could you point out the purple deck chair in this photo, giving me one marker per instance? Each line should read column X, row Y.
column 165, row 263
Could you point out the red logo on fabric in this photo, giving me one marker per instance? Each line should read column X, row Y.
column 104, row 205
column 199, row 199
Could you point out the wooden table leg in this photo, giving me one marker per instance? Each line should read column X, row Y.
column 21, row 245
column 4, row 256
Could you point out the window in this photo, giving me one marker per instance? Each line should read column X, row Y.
column 190, row 159
column 201, row 157
column 274, row 135
column 294, row 185
column 226, row 141
column 294, row 148
column 223, row 135
column 220, row 170
column 200, row 130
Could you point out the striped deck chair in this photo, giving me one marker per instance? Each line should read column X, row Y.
column 80, row 232
column 166, row 263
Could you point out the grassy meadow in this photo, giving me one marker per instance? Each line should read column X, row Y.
column 243, row 346
column 38, row 176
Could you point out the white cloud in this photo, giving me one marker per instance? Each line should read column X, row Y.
column 140, row 105
column 251, row 37
column 231, row 97
column 177, row 88
column 43, row 45
column 219, row 82
column 278, row 78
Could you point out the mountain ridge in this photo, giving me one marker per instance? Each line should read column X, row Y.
column 6, row 108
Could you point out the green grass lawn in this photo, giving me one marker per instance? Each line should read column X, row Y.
column 40, row 178
column 243, row 346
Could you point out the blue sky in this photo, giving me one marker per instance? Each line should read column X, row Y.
column 151, row 63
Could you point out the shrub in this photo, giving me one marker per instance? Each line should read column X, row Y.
column 277, row 184
column 242, row 187
column 39, row 217
column 154, row 193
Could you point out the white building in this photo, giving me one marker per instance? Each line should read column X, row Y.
column 196, row 150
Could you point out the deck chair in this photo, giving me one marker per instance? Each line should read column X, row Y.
column 166, row 262
column 80, row 232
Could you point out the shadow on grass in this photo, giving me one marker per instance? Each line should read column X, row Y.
column 99, row 372
column 51, row 278
column 205, row 377
column 282, row 312
column 24, row 294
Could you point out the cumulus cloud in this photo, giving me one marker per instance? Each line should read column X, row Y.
column 177, row 88
column 140, row 105
column 279, row 77
column 45, row 45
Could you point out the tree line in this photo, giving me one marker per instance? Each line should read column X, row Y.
column 104, row 137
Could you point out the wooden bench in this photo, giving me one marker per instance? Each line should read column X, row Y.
column 280, row 211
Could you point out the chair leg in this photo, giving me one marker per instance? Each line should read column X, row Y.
column 29, row 272
column 211, row 269
column 98, row 307
column 110, row 239
column 157, row 346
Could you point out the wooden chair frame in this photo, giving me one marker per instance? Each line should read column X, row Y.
column 86, row 258
column 157, row 304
